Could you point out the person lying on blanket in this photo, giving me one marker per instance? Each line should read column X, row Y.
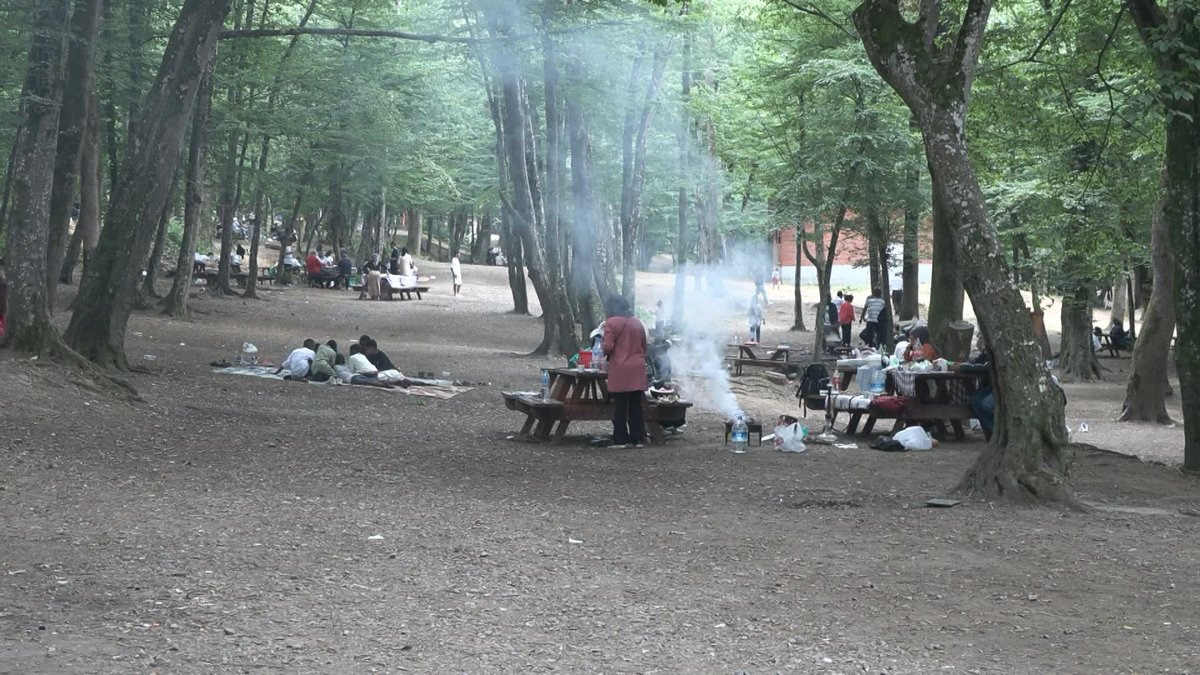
column 347, row 376
column 298, row 363
column 360, row 365
column 377, row 358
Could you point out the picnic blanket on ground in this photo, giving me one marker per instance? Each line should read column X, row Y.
column 443, row 389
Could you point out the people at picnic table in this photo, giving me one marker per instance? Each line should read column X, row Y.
column 919, row 347
column 372, row 273
column 1118, row 335
column 624, row 346
column 289, row 260
column 983, row 401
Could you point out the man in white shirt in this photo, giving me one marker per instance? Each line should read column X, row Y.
column 872, row 308
column 297, row 363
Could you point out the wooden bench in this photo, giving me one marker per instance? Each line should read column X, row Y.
column 541, row 416
column 389, row 293
column 738, row 363
column 923, row 414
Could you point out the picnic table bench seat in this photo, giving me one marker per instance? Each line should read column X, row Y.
column 389, row 293
column 541, row 415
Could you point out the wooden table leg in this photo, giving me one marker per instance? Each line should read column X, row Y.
column 543, row 429
column 561, row 431
column 869, row 426
column 854, row 419
column 529, row 420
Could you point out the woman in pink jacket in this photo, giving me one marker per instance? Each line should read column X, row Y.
column 625, row 347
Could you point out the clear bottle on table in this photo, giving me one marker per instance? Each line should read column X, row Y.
column 739, row 436
column 545, row 385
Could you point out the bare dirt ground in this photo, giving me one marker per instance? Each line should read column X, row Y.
column 231, row 524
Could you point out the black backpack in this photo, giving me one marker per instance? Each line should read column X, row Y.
column 814, row 379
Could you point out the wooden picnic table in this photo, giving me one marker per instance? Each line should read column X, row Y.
column 578, row 395
column 765, row 356
column 936, row 398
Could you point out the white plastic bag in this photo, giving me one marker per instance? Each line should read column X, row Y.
column 914, row 438
column 790, row 438
column 249, row 355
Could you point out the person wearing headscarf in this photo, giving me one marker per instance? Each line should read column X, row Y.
column 374, row 272
column 920, row 348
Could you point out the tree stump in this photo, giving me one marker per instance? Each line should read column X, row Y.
column 956, row 343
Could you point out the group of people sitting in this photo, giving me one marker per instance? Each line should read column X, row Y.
column 323, row 269
column 364, row 364
column 376, row 273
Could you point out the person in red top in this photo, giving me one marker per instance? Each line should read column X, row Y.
column 846, row 318
column 313, row 265
column 625, row 347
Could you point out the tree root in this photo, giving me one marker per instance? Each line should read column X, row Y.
column 60, row 353
column 1000, row 474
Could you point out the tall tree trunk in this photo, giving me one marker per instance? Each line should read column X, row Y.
column 176, row 304
column 638, row 114
column 154, row 260
column 1146, row 392
column 797, row 299
column 684, row 133
column 227, row 211
column 72, row 123
column 264, row 152
column 1028, row 458
column 1077, row 360
column 97, row 328
column 583, row 192
column 87, row 228
column 1170, row 40
column 416, row 226
column 946, row 288
column 556, row 167
column 910, row 304
column 28, row 322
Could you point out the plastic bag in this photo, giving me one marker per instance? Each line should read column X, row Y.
column 790, row 437
column 914, row 438
column 249, row 355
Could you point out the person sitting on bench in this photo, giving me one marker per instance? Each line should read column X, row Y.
column 1120, row 338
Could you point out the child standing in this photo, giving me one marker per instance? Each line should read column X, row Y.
column 754, row 317
column 846, row 318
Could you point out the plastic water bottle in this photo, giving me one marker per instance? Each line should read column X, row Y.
column 739, row 436
column 545, row 385
column 597, row 354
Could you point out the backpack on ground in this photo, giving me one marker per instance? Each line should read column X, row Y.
column 814, row 379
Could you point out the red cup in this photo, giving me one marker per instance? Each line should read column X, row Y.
column 585, row 359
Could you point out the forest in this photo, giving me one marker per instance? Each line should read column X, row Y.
column 1044, row 147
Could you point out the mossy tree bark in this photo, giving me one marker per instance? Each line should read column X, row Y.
column 98, row 325
column 176, row 304
column 1146, row 392
column 72, row 126
column 1077, row 360
column 931, row 63
column 1171, row 40
column 28, row 322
